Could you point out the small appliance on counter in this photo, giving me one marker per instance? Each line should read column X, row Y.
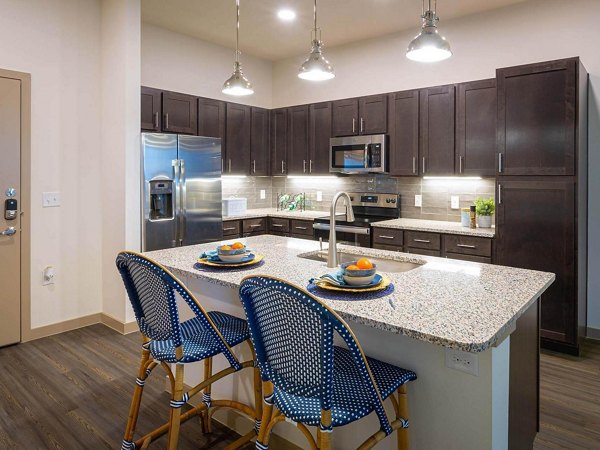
column 234, row 206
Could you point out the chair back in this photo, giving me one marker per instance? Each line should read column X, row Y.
column 292, row 333
column 152, row 292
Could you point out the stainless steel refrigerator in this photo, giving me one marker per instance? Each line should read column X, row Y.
column 181, row 190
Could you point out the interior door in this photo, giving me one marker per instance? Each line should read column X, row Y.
column 10, row 192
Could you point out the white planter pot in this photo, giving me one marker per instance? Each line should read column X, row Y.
column 484, row 221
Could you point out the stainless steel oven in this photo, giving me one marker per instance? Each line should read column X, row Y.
column 358, row 154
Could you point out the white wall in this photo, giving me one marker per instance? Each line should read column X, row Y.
column 180, row 63
column 58, row 42
column 523, row 33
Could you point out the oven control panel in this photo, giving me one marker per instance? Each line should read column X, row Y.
column 376, row 200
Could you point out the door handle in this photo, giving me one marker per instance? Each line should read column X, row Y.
column 353, row 125
column 310, row 166
column 183, row 201
column 253, row 166
column 362, row 124
column 9, row 231
column 166, row 121
column 499, row 194
column 156, row 120
column 414, row 165
column 423, row 241
column 383, row 236
column 500, row 163
column 303, row 166
column 229, row 165
column 424, row 169
column 460, row 164
column 282, row 168
column 466, row 246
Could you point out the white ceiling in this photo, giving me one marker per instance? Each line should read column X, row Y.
column 263, row 34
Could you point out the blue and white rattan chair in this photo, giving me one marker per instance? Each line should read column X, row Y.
column 152, row 291
column 309, row 380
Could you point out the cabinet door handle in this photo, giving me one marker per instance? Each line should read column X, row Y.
column 230, row 229
column 500, row 168
column 253, row 166
column 156, row 119
column 386, row 237
column 353, row 125
column 301, row 228
column 460, row 164
column 222, row 165
column 424, row 169
column 166, row 121
column 424, row 241
column 310, row 166
column 304, row 166
column 282, row 169
column 466, row 246
column 414, row 164
column 229, row 164
column 499, row 194
column 277, row 225
column 362, row 124
column 255, row 225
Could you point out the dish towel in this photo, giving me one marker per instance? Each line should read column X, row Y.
column 334, row 278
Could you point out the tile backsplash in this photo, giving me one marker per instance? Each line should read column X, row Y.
column 436, row 193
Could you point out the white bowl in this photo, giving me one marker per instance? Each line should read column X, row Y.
column 358, row 281
column 233, row 258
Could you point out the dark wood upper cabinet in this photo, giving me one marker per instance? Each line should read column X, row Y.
column 259, row 143
column 211, row 118
column 237, row 155
column 476, row 114
column 536, row 229
column 373, row 114
column 279, row 141
column 537, row 109
column 318, row 138
column 151, row 109
column 403, row 126
column 297, row 151
column 180, row 113
column 345, row 117
column 437, row 130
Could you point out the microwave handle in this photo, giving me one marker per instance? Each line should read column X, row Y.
column 367, row 154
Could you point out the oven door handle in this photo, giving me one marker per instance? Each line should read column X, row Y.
column 342, row 229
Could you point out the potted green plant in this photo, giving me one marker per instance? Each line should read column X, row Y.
column 485, row 209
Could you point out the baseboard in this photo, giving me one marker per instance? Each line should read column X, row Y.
column 592, row 333
column 60, row 327
column 117, row 325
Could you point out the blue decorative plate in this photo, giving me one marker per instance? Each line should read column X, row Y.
column 249, row 257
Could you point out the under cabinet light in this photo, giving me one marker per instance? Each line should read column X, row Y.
column 452, row 178
column 311, row 177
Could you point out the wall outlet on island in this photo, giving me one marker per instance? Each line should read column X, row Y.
column 464, row 361
column 418, row 200
column 454, row 201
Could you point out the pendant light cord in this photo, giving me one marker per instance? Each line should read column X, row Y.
column 237, row 32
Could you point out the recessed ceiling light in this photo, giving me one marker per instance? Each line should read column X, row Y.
column 286, row 15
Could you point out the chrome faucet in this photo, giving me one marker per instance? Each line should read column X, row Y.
column 332, row 256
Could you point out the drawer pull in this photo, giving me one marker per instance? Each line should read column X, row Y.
column 230, row 229
column 424, row 241
column 277, row 225
column 386, row 237
column 466, row 246
column 255, row 225
column 301, row 228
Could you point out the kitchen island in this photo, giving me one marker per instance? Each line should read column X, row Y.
column 437, row 310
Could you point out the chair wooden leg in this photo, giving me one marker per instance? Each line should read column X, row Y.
column 136, row 400
column 175, row 416
column 403, row 441
column 267, row 413
column 324, row 437
column 258, row 400
column 205, row 417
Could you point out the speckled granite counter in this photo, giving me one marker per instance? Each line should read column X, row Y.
column 272, row 212
column 463, row 305
column 435, row 226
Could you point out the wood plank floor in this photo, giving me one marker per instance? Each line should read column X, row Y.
column 72, row 391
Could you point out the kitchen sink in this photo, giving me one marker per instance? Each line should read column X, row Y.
column 383, row 264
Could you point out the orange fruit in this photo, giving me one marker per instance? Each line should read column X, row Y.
column 237, row 245
column 364, row 263
column 226, row 247
column 352, row 267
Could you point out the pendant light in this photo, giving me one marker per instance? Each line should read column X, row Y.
column 316, row 67
column 237, row 84
column 429, row 45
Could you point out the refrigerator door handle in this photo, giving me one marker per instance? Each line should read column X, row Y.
column 176, row 183
column 183, row 202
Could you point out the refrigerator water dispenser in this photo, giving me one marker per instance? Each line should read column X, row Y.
column 161, row 199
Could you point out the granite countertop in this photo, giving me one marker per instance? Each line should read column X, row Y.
column 435, row 226
column 272, row 212
column 456, row 304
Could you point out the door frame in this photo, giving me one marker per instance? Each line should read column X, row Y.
column 25, row 195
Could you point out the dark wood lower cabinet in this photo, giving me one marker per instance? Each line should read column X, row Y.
column 254, row 227
column 232, row 229
column 537, row 230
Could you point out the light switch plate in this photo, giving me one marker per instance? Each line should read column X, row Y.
column 50, row 199
column 418, row 200
column 263, row 194
column 454, row 201
column 319, row 196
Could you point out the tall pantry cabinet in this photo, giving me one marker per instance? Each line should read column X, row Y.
column 542, row 188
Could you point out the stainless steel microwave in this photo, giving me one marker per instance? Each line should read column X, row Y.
column 358, row 154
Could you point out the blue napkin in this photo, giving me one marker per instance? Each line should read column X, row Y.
column 335, row 278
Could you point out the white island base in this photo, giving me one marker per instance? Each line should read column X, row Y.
column 449, row 409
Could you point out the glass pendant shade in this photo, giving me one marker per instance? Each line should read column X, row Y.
column 316, row 67
column 237, row 84
column 429, row 45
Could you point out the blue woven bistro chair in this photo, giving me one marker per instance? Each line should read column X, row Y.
column 152, row 291
column 308, row 379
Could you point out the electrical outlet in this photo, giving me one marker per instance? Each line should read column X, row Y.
column 463, row 361
column 418, row 200
column 263, row 194
column 319, row 196
column 50, row 199
column 454, row 201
